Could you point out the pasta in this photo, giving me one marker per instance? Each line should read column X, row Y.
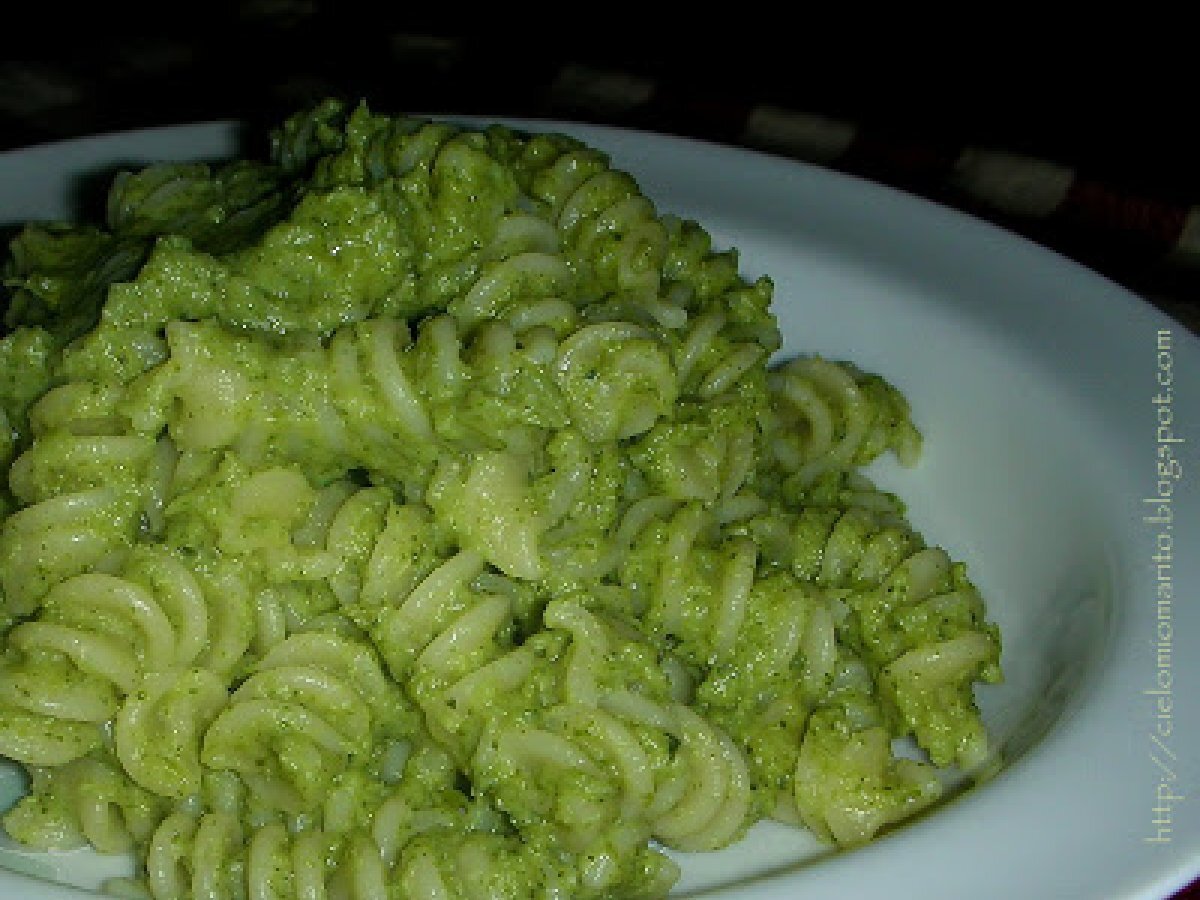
column 420, row 513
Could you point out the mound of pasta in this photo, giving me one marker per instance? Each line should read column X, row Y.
column 418, row 512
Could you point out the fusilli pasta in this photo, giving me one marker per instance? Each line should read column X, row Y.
column 442, row 528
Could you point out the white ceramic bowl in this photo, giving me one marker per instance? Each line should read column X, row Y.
column 1048, row 397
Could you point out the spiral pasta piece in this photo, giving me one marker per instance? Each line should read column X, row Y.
column 488, row 505
column 373, row 395
column 831, row 416
column 607, row 222
column 708, row 804
column 696, row 796
column 580, row 476
column 382, row 548
column 617, row 379
column 406, row 629
column 516, row 280
column 157, row 732
column 86, row 492
column 190, row 856
column 848, row 785
column 89, row 801
column 211, row 857
column 90, row 645
column 709, row 364
column 708, row 595
column 710, row 459
column 761, row 642
column 372, row 386
column 609, row 750
column 312, row 707
column 916, row 618
column 419, row 836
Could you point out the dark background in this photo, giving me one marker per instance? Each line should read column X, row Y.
column 1116, row 101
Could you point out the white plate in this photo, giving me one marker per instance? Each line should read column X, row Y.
column 1035, row 383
